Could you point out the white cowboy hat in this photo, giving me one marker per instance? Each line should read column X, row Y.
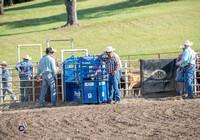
column 109, row 49
column 3, row 63
column 188, row 43
column 27, row 57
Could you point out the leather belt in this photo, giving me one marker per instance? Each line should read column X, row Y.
column 190, row 65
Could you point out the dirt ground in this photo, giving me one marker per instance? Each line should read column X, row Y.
column 134, row 118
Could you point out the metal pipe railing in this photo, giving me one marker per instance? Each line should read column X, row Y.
column 28, row 45
column 69, row 39
column 61, row 58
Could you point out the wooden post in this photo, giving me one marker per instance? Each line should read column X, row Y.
column 126, row 78
column 1, row 93
column 33, row 84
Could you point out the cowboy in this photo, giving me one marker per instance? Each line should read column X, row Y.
column 188, row 68
column 47, row 68
column 112, row 64
column 25, row 69
column 48, row 94
column 6, row 82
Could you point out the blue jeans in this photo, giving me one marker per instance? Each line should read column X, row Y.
column 7, row 88
column 113, row 81
column 48, row 80
column 188, row 79
column 120, row 74
column 23, row 86
column 180, row 76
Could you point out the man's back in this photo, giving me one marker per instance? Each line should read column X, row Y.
column 46, row 65
column 26, row 67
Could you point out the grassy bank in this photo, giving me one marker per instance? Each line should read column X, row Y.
column 130, row 26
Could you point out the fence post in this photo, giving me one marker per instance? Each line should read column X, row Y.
column 33, row 85
column 126, row 78
column 129, row 66
column 195, row 83
column 1, row 93
column 62, row 78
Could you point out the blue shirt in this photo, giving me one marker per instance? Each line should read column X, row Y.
column 25, row 66
column 5, row 75
column 187, row 57
column 47, row 65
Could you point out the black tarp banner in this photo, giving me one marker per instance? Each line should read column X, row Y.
column 158, row 75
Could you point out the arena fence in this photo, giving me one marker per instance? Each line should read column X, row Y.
column 131, row 72
column 35, row 87
column 129, row 84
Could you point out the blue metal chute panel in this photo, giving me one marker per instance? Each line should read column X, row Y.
column 85, row 64
column 70, row 75
column 102, row 91
column 71, row 69
column 71, row 84
column 72, row 92
column 89, row 92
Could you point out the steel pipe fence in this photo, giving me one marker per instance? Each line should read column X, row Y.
column 153, row 55
column 35, row 88
column 131, row 64
column 130, row 67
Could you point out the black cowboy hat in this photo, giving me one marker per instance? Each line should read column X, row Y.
column 50, row 50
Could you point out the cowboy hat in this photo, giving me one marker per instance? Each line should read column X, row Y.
column 27, row 57
column 188, row 43
column 50, row 50
column 109, row 49
column 3, row 63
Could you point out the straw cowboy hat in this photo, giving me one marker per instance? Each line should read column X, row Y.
column 109, row 49
column 186, row 43
column 3, row 63
column 50, row 50
column 27, row 57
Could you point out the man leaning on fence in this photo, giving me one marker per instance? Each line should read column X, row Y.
column 112, row 64
column 188, row 68
column 6, row 82
column 47, row 68
column 25, row 69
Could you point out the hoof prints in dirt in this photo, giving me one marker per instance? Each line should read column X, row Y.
column 132, row 119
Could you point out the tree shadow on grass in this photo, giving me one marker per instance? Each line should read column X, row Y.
column 37, row 5
column 109, row 10
column 96, row 12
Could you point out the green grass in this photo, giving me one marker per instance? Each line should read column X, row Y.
column 130, row 26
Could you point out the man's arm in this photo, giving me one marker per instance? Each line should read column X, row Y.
column 117, row 67
column 17, row 67
column 53, row 65
column 184, row 58
column 101, row 58
column 39, row 70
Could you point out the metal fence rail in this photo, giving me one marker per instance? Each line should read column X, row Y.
column 35, row 88
column 130, row 67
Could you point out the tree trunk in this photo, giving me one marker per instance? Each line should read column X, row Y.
column 71, row 12
column 10, row 2
column 1, row 7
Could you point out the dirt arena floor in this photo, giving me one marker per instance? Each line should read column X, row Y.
column 135, row 118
